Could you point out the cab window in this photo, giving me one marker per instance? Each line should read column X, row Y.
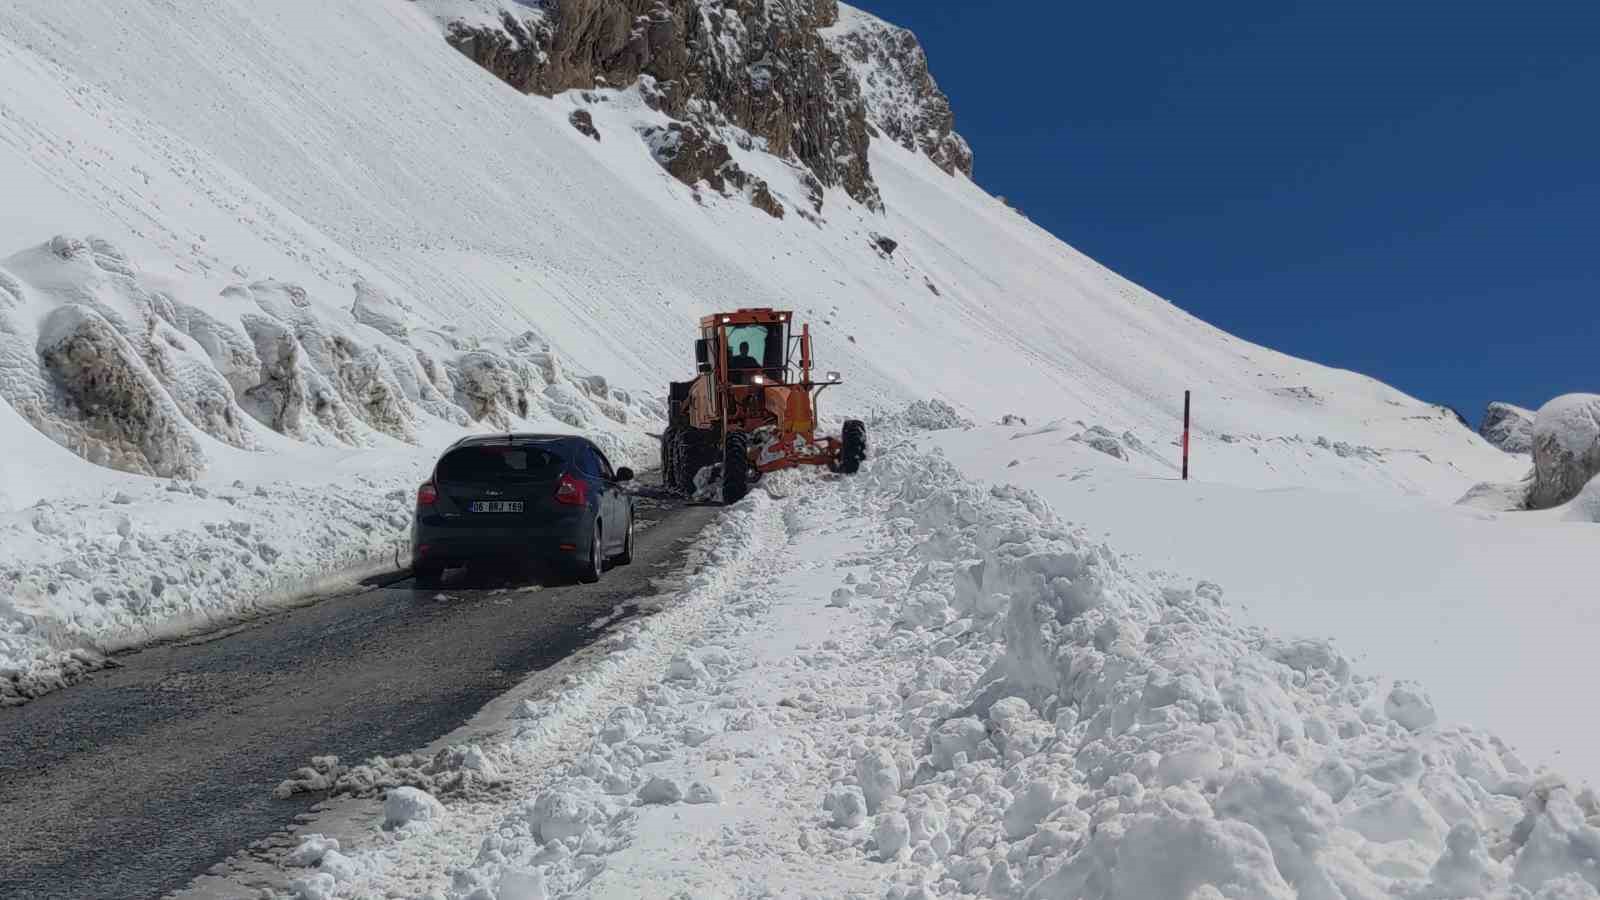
column 756, row 347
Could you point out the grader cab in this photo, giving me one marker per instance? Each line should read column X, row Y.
column 752, row 406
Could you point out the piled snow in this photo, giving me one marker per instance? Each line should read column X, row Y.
column 218, row 396
column 407, row 806
column 89, row 572
column 1566, row 449
column 535, row 813
column 1492, row 612
column 1586, row 506
column 1009, row 708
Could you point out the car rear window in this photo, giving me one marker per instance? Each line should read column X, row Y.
column 500, row 463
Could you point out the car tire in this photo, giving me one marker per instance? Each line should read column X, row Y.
column 594, row 566
column 626, row 556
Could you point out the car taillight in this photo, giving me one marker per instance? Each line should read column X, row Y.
column 427, row 495
column 572, row 491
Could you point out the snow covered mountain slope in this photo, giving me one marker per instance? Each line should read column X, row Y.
column 431, row 249
column 307, row 243
column 320, row 149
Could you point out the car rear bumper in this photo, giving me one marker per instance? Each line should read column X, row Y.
column 445, row 541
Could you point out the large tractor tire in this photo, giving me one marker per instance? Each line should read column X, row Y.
column 669, row 440
column 687, row 460
column 854, row 451
column 735, row 468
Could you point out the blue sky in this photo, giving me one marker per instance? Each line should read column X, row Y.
column 1410, row 190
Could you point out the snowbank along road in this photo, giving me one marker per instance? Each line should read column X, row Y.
column 131, row 784
column 907, row 685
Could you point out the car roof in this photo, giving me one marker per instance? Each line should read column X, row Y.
column 478, row 440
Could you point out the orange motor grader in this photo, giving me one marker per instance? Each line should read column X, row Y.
column 752, row 407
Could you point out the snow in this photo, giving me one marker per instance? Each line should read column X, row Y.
column 315, row 248
column 1491, row 613
column 1586, row 506
column 1508, row 427
column 406, row 806
column 1572, row 421
column 231, row 180
column 1013, row 708
column 1566, row 449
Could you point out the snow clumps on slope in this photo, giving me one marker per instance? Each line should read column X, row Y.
column 153, row 377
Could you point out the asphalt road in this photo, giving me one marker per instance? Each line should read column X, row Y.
column 137, row 780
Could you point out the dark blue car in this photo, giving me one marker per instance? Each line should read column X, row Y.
column 523, row 498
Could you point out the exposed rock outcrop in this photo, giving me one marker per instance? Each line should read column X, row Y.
column 1508, row 427
column 1566, row 449
column 901, row 97
column 583, row 120
column 112, row 410
column 691, row 154
column 761, row 66
column 694, row 156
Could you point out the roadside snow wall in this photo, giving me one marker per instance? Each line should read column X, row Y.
column 1085, row 730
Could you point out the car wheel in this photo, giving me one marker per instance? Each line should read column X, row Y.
column 626, row 556
column 596, row 563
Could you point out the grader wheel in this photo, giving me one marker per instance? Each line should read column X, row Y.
column 735, row 468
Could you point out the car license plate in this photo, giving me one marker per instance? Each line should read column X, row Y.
column 496, row 506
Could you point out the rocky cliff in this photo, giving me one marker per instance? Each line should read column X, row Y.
column 1508, row 427
column 901, row 96
column 805, row 80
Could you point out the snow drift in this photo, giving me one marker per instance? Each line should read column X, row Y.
column 1566, row 449
column 941, row 690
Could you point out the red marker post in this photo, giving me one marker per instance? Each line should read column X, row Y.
column 1185, row 435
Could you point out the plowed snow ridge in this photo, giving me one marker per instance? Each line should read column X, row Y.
column 905, row 685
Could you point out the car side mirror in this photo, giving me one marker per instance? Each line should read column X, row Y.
column 702, row 355
column 624, row 474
